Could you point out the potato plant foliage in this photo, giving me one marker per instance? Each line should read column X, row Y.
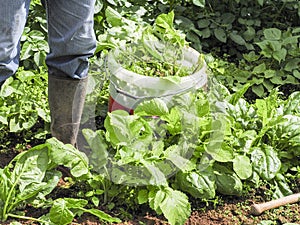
column 241, row 133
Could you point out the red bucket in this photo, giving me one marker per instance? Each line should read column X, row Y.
column 114, row 105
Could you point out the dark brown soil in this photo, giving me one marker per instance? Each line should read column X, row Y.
column 230, row 212
column 226, row 210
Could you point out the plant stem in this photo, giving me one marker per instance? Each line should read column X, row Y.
column 26, row 218
column 8, row 199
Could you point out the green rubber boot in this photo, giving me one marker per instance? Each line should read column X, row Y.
column 66, row 100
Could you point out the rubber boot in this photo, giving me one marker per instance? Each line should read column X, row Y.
column 66, row 100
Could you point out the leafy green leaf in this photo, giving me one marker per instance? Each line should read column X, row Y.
column 261, row 2
column 292, row 105
column 102, row 215
column 173, row 204
column 158, row 178
column 281, row 187
column 216, row 146
column 180, row 162
column 60, row 213
column 227, row 18
column 227, row 181
column 164, row 29
column 203, row 23
column 64, row 210
column 242, row 166
column 154, row 107
column 113, row 17
column 124, row 129
column 237, row 39
column 239, row 94
column 198, row 184
column 96, row 142
column 269, row 73
column 26, row 50
column 28, row 178
column 220, row 35
column 277, row 80
column 265, row 162
column 261, row 68
column 280, row 54
column 249, row 34
column 258, row 90
column 39, row 58
column 272, row 34
column 71, row 157
column 142, row 196
column 200, row 3
column 31, row 167
column 173, row 121
column 292, row 64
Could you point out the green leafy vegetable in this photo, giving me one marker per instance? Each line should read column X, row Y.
column 162, row 199
column 64, row 210
column 198, row 184
column 32, row 174
column 242, row 166
column 227, row 181
column 265, row 162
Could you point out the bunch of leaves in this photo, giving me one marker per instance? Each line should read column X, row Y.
column 148, row 9
column 146, row 148
column 240, row 143
column 159, row 51
column 252, row 151
column 274, row 66
column 233, row 27
column 137, row 11
column 32, row 175
column 155, row 69
column 34, row 46
column 34, row 49
column 122, row 28
column 23, row 97
column 119, row 30
column 23, row 100
column 277, row 62
column 156, row 60
column 203, row 145
column 229, row 74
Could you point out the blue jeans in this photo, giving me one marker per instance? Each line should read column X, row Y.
column 71, row 36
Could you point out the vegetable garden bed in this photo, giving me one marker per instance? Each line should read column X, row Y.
column 227, row 206
column 243, row 132
column 225, row 210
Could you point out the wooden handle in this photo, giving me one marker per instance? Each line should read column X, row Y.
column 258, row 209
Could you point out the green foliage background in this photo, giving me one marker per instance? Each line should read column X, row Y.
column 260, row 37
column 254, row 42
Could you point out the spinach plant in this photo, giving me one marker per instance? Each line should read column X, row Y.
column 141, row 150
column 32, row 175
column 202, row 145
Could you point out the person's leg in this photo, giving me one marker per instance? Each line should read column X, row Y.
column 13, row 15
column 71, row 36
column 72, row 41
